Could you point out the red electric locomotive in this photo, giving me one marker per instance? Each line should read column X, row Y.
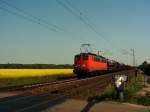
column 89, row 63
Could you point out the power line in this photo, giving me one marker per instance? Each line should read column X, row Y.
column 83, row 18
column 67, row 8
column 32, row 16
column 80, row 12
column 91, row 24
column 33, row 20
column 24, row 17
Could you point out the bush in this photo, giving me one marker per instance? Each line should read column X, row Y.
column 145, row 67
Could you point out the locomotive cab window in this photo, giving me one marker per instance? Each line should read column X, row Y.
column 77, row 57
column 96, row 58
column 85, row 56
column 99, row 59
column 104, row 60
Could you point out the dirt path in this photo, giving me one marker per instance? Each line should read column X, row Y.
column 8, row 94
column 72, row 105
column 118, row 107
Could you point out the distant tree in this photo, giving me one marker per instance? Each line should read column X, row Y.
column 35, row 66
column 145, row 67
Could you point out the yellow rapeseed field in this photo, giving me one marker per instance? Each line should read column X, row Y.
column 14, row 73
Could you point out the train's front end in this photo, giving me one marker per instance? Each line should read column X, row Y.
column 81, row 64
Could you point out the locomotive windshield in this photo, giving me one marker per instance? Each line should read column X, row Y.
column 77, row 57
column 99, row 59
column 85, row 56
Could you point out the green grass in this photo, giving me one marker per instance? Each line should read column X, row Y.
column 142, row 100
column 132, row 89
column 107, row 94
column 129, row 93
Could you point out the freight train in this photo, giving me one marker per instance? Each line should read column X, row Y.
column 89, row 64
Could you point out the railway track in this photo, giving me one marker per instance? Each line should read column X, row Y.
column 32, row 86
column 38, row 85
column 55, row 92
column 61, row 85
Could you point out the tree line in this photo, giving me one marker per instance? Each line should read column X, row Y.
column 35, row 66
column 145, row 67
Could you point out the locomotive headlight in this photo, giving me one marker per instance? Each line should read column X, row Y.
column 83, row 65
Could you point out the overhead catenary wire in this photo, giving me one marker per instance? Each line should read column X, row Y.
column 26, row 18
column 38, row 20
column 80, row 15
column 74, row 10
column 77, row 14
column 33, row 17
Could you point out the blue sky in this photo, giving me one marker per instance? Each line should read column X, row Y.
column 119, row 24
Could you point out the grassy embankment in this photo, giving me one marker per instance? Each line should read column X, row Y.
column 12, row 77
column 130, row 92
